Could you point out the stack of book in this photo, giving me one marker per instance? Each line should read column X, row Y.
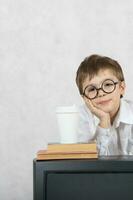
column 68, row 151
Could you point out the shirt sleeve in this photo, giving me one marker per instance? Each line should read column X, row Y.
column 103, row 137
column 88, row 131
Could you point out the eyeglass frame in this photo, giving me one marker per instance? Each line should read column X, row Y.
column 97, row 89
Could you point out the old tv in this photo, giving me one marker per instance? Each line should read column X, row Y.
column 103, row 178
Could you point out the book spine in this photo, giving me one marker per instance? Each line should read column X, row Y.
column 67, row 156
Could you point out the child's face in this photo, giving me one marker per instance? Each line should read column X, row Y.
column 107, row 102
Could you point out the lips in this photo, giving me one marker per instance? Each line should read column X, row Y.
column 104, row 102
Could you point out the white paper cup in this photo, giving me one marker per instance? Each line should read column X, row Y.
column 67, row 119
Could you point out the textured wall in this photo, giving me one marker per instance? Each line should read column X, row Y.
column 41, row 45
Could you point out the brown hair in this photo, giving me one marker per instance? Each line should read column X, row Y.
column 92, row 65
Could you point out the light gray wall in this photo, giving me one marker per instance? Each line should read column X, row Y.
column 41, row 45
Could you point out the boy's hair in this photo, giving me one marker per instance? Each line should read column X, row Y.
column 92, row 65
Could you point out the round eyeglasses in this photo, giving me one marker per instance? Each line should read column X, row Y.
column 108, row 86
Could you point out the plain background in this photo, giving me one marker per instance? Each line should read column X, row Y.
column 42, row 43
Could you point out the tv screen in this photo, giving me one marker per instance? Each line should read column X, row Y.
column 89, row 186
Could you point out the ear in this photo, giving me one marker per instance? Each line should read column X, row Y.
column 122, row 88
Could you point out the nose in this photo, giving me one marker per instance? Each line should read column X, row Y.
column 100, row 93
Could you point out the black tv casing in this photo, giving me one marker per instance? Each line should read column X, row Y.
column 91, row 179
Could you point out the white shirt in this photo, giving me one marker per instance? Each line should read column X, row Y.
column 116, row 140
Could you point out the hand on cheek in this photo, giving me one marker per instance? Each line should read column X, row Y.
column 103, row 116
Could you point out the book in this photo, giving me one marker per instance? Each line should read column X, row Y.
column 70, row 148
column 67, row 156
column 68, row 151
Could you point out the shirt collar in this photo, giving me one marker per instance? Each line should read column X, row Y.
column 125, row 114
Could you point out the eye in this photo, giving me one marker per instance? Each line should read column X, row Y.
column 91, row 89
column 108, row 84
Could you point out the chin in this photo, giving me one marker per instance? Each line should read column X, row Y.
column 106, row 109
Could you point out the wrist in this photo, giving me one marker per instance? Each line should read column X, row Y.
column 105, row 122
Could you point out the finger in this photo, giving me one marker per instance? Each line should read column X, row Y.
column 90, row 105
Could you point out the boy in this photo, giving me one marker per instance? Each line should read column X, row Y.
column 105, row 117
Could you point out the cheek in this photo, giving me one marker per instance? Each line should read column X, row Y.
column 116, row 95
